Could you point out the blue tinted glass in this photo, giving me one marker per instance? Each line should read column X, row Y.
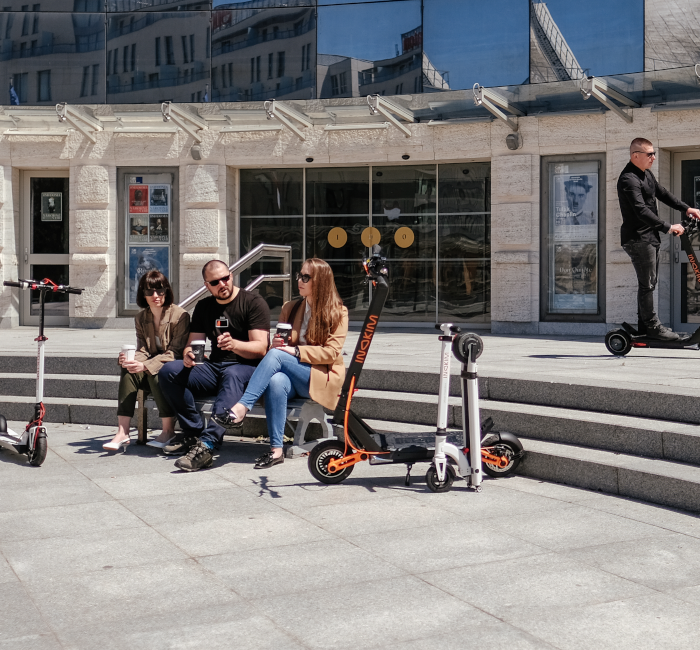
column 672, row 34
column 262, row 54
column 261, row 4
column 155, row 57
column 53, row 57
column 369, row 49
column 54, row 5
column 475, row 42
column 156, row 5
column 597, row 37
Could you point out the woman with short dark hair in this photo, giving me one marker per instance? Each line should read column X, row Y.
column 162, row 329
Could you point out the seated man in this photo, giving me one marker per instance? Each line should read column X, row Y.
column 242, row 319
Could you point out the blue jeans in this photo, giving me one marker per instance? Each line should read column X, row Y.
column 181, row 385
column 281, row 377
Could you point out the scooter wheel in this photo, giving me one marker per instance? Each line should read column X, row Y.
column 435, row 485
column 319, row 458
column 501, row 449
column 618, row 342
column 462, row 343
column 38, row 455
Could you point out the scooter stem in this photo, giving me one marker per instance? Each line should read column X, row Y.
column 470, row 411
column 444, row 390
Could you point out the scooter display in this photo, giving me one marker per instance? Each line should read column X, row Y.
column 33, row 440
column 332, row 461
column 620, row 341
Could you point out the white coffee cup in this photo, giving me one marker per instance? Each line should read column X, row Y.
column 198, row 351
column 129, row 352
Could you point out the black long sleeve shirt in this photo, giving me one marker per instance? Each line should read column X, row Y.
column 637, row 191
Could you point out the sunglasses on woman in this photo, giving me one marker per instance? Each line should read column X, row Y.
column 150, row 292
column 304, row 277
column 215, row 283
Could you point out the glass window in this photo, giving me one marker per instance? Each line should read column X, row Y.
column 148, row 74
column 671, row 34
column 119, row 6
column 260, row 53
column 563, row 47
column 377, row 46
column 75, row 6
column 464, row 248
column 51, row 68
column 475, row 42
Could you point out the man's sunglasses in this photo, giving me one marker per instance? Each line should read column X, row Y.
column 150, row 292
column 304, row 277
column 215, row 283
column 650, row 154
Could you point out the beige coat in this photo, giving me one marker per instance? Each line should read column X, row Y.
column 173, row 333
column 327, row 367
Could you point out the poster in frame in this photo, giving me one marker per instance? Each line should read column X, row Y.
column 138, row 199
column 159, row 198
column 143, row 259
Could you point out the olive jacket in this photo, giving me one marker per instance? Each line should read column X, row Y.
column 327, row 367
column 173, row 333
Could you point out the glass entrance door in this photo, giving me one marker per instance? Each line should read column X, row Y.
column 45, row 226
column 685, row 306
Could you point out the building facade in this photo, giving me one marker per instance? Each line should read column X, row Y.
column 495, row 206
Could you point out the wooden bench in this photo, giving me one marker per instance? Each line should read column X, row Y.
column 301, row 410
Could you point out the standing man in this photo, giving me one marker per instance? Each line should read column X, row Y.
column 637, row 190
column 237, row 323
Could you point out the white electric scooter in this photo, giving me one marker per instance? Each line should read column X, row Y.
column 32, row 441
column 499, row 452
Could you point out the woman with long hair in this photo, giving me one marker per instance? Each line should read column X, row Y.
column 310, row 365
column 162, row 329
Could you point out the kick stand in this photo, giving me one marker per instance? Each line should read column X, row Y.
column 409, row 467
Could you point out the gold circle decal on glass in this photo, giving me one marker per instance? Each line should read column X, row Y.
column 337, row 237
column 370, row 237
column 404, row 237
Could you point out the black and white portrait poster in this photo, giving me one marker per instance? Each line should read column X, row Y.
column 575, row 277
column 575, row 206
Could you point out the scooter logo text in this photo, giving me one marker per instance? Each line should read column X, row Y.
column 367, row 339
column 694, row 264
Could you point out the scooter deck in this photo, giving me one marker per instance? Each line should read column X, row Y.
column 642, row 341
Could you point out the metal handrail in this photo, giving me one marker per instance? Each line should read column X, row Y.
column 250, row 258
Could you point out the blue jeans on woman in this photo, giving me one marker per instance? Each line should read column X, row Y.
column 281, row 377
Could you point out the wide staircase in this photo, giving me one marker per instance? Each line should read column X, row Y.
column 635, row 443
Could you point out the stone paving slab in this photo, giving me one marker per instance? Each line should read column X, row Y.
column 122, row 551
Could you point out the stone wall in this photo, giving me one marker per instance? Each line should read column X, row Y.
column 209, row 197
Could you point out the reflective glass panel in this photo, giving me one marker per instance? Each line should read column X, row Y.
column 271, row 213
column 262, row 54
column 156, row 57
column 74, row 6
column 464, row 242
column 367, row 49
column 263, row 4
column 49, row 210
column 57, row 304
column 475, row 42
column 403, row 211
column 52, row 57
column 337, row 207
column 118, row 6
column 597, row 37
column 672, row 34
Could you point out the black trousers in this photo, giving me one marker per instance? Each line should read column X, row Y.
column 645, row 259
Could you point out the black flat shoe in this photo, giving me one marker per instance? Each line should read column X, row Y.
column 227, row 420
column 268, row 460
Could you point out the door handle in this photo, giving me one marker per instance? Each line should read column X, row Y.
column 26, row 256
column 675, row 258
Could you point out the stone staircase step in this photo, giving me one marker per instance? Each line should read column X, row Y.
column 663, row 482
column 55, row 385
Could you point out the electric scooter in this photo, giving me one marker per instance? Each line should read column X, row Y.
column 332, row 461
column 620, row 341
column 33, row 441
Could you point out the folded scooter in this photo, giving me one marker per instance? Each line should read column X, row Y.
column 620, row 341
column 32, row 441
column 332, row 461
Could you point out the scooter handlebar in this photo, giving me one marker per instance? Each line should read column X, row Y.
column 42, row 286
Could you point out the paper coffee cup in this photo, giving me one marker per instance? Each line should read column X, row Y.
column 129, row 352
column 284, row 331
column 198, row 351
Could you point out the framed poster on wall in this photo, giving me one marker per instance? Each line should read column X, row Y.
column 572, row 238
column 148, row 222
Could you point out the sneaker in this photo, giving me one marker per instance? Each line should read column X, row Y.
column 661, row 333
column 179, row 445
column 198, row 457
column 268, row 460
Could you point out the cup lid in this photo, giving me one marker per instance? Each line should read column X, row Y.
column 128, row 346
column 284, row 326
column 198, row 342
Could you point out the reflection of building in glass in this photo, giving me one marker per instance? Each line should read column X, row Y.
column 51, row 57
column 154, row 57
column 263, row 52
column 408, row 72
column 672, row 34
column 150, row 5
column 551, row 58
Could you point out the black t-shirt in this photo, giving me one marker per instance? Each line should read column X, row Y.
column 247, row 311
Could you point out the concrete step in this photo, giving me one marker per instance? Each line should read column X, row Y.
column 663, row 482
column 56, row 385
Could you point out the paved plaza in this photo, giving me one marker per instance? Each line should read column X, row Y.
column 122, row 552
